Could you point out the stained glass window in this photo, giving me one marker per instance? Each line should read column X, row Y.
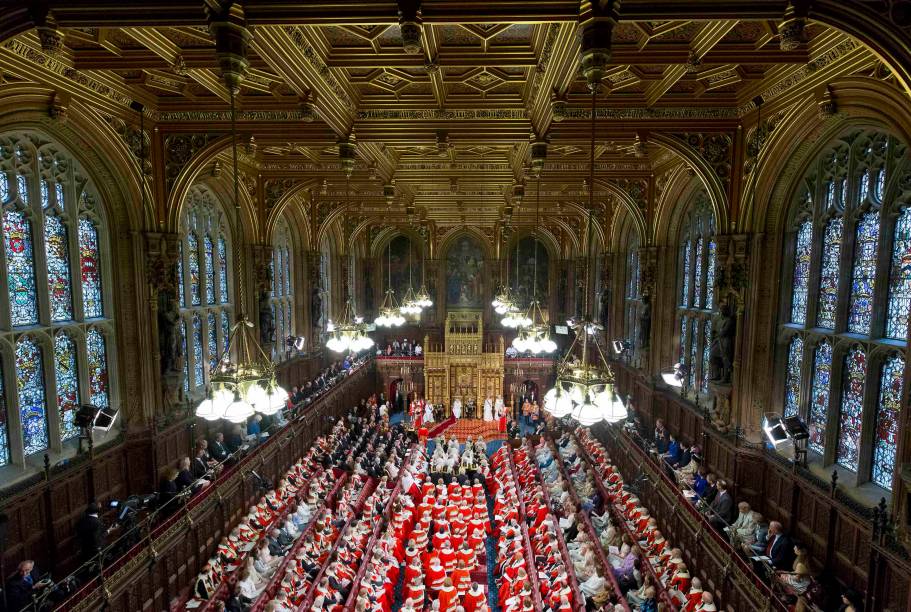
column 863, row 277
column 888, row 413
column 186, row 356
column 828, row 279
column 697, row 283
column 98, row 367
column 685, row 298
column 4, row 436
column 222, row 270
column 899, row 306
column 212, row 324
column 30, row 389
column 818, row 416
column 694, row 360
column 22, row 184
column 275, row 289
column 180, row 278
column 287, row 272
column 792, row 377
column 279, row 327
column 851, row 413
column 198, row 361
column 801, row 280
column 45, row 195
column 710, row 277
column 225, row 331
column 56, row 249
column 67, row 375
column 684, row 325
column 879, row 183
column 863, row 187
column 209, row 254
column 20, row 268
column 46, row 227
column 288, row 328
column 193, row 253
column 706, row 351
column 90, row 265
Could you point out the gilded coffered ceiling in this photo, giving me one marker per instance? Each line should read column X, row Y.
column 443, row 126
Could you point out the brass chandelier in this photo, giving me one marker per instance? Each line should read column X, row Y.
column 240, row 388
column 584, row 389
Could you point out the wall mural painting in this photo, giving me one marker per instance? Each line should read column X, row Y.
column 524, row 278
column 396, row 259
column 464, row 267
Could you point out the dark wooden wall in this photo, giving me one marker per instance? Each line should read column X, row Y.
column 837, row 529
column 42, row 511
column 156, row 571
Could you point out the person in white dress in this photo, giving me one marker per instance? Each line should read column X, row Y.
column 498, row 404
column 488, row 409
column 428, row 413
column 457, row 408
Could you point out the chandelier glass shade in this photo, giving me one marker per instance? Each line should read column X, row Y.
column 241, row 388
column 503, row 301
column 422, row 297
column 349, row 334
column 410, row 305
column 515, row 318
column 535, row 337
column 246, row 384
column 389, row 315
column 584, row 389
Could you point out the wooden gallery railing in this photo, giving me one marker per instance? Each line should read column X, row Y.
column 718, row 566
column 170, row 554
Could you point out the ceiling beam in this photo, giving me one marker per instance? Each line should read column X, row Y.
column 297, row 62
column 710, row 35
column 656, row 53
column 107, row 13
column 171, row 53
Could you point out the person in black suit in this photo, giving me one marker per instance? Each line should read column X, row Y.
column 217, row 449
column 22, row 587
column 90, row 532
column 200, row 468
column 235, row 439
column 779, row 547
column 721, row 510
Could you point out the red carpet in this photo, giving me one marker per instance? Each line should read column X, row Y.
column 463, row 428
column 440, row 428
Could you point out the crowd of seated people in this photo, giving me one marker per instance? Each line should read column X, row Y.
column 437, row 533
column 574, row 496
column 546, row 530
column 325, row 380
column 644, row 562
column 251, row 548
column 518, row 577
column 322, row 567
column 774, row 555
column 397, row 348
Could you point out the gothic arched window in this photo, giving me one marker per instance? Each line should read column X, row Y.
column 848, row 263
column 697, row 291
column 325, row 280
column 204, row 297
column 54, row 301
column 633, row 293
column 282, row 287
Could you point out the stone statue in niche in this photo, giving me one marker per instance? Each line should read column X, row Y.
column 721, row 353
column 368, row 291
column 316, row 307
column 605, row 306
column 169, row 345
column 266, row 320
column 645, row 322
